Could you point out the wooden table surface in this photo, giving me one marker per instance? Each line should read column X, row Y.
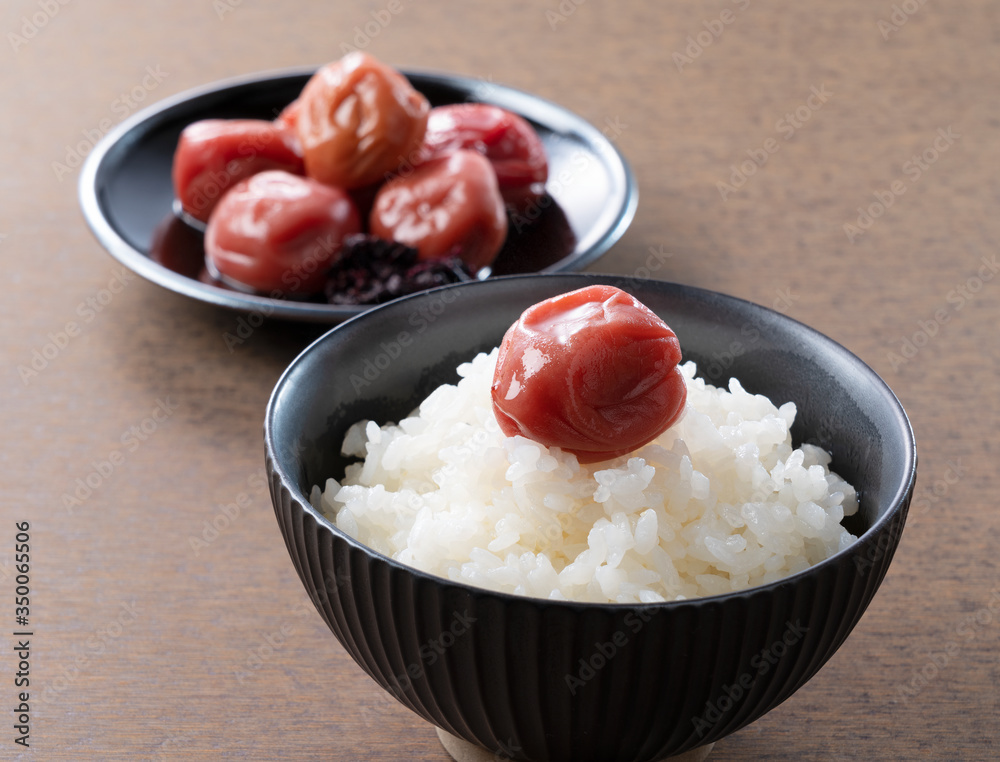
column 835, row 161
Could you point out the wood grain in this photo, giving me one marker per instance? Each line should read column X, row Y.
column 149, row 645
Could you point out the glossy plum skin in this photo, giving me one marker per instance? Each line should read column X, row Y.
column 214, row 154
column 507, row 140
column 279, row 233
column 445, row 206
column 592, row 371
column 288, row 119
column 357, row 120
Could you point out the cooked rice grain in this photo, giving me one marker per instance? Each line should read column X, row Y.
column 719, row 502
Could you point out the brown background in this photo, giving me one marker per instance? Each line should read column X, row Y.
column 143, row 645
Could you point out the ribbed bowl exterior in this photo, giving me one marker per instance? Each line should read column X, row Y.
column 533, row 679
column 539, row 680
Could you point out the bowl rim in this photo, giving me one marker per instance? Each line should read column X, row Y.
column 899, row 502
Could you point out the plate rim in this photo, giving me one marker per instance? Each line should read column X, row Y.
column 147, row 119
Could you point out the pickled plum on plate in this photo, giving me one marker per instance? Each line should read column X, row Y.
column 450, row 205
column 358, row 137
column 213, row 155
column 356, row 118
column 592, row 371
column 288, row 119
column 508, row 141
column 279, row 233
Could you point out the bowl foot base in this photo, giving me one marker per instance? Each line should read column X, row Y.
column 463, row 751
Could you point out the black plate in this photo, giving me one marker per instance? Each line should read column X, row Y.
column 126, row 190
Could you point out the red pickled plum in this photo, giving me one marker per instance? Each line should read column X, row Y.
column 356, row 117
column 279, row 233
column 446, row 206
column 592, row 371
column 214, row 154
column 508, row 141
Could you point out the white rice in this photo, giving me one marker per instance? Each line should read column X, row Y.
column 721, row 501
